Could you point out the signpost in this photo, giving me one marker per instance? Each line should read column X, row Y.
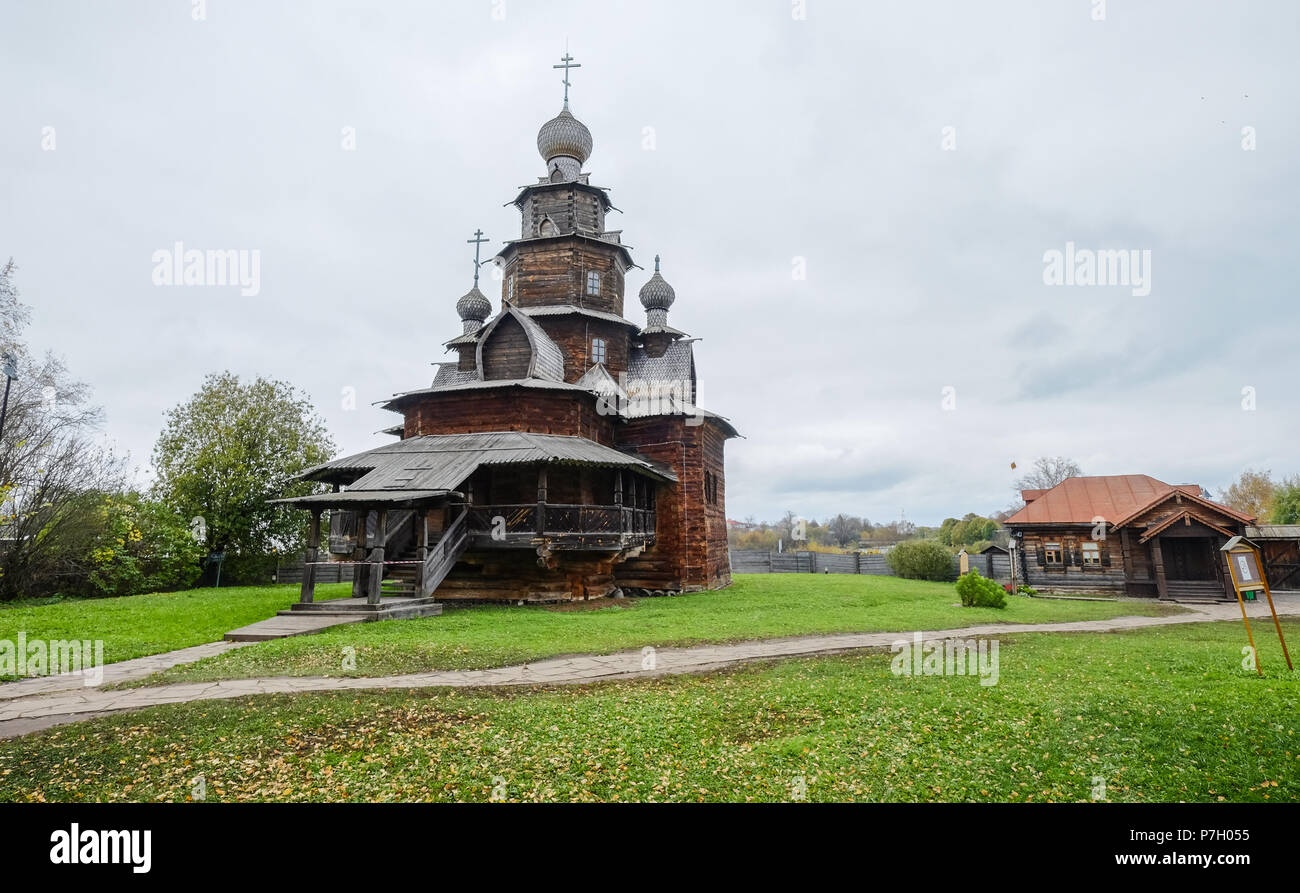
column 1247, row 569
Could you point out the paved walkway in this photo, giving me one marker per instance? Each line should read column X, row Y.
column 122, row 671
column 42, row 708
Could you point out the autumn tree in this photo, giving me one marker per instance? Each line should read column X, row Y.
column 1252, row 493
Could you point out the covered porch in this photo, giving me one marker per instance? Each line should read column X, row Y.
column 404, row 515
column 1184, row 555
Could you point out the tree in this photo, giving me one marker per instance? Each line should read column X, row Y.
column 1048, row 471
column 52, row 470
column 1252, row 493
column 845, row 530
column 230, row 449
column 1286, row 502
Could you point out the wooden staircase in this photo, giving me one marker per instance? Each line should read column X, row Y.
column 1195, row 591
column 412, row 580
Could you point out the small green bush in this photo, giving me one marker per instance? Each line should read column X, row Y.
column 921, row 560
column 977, row 592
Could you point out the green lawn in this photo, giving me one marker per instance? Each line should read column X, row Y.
column 1166, row 714
column 756, row 606
column 150, row 624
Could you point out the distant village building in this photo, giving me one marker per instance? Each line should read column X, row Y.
column 1128, row 533
column 561, row 455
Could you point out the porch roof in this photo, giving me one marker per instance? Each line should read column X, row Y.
column 441, row 462
column 354, row 498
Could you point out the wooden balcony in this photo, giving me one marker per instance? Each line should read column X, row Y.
column 571, row 527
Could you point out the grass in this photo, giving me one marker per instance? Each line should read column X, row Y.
column 140, row 625
column 757, row 606
column 1163, row 714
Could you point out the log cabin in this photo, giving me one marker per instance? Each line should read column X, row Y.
column 560, row 455
column 1127, row 533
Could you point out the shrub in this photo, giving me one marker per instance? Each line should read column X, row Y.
column 976, row 591
column 921, row 560
column 133, row 545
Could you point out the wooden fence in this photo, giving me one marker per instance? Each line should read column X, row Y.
column 995, row 566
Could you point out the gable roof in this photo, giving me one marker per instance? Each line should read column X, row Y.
column 1119, row 498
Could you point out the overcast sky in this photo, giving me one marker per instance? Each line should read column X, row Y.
column 775, row 138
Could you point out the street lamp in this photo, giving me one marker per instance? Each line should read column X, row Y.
column 11, row 374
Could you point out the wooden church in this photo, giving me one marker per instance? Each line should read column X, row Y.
column 560, row 455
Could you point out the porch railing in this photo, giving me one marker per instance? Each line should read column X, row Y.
column 542, row 519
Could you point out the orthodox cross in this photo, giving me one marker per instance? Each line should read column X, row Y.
column 656, row 263
column 477, row 241
column 568, row 63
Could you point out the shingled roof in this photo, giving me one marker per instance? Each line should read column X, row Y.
column 1118, row 498
column 441, row 462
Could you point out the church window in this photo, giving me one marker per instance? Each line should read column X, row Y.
column 593, row 283
column 598, row 350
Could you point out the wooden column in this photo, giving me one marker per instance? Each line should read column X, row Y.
column 541, row 498
column 313, row 550
column 618, row 487
column 421, row 522
column 360, row 571
column 376, row 572
column 1158, row 560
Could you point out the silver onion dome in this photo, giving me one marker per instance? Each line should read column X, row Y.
column 474, row 308
column 657, row 294
column 564, row 143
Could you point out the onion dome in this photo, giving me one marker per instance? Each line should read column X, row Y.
column 474, row 308
column 565, row 144
column 656, row 297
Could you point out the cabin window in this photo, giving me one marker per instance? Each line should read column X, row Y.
column 510, row 289
column 598, row 350
column 593, row 283
column 1091, row 555
column 1052, row 554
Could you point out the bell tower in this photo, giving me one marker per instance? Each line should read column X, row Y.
column 564, row 255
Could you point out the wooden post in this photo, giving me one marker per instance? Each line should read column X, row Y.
column 1158, row 560
column 313, row 550
column 1249, row 635
column 376, row 580
column 360, row 573
column 1268, row 593
column 421, row 547
column 618, row 487
column 541, row 499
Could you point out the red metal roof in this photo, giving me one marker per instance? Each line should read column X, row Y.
column 1115, row 497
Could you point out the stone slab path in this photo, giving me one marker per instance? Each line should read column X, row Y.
column 122, row 671
column 41, row 708
column 282, row 626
